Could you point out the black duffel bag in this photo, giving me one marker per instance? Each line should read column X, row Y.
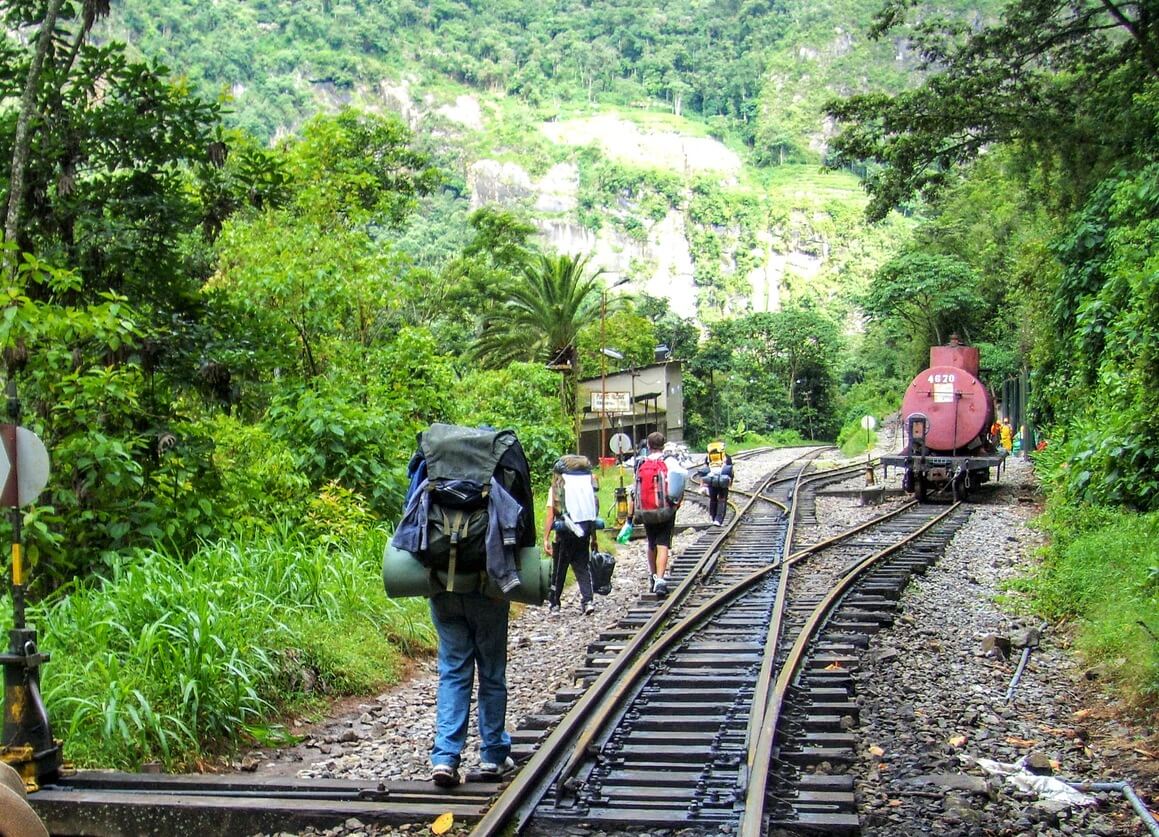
column 602, row 564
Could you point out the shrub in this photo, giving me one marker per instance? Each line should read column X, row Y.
column 259, row 480
column 337, row 439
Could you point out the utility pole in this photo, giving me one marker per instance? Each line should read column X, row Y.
column 604, row 354
column 603, row 376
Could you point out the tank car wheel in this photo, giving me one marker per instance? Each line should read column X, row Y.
column 961, row 489
column 919, row 488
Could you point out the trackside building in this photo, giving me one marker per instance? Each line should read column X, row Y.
column 631, row 403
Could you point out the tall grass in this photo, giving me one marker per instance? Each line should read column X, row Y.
column 853, row 439
column 1101, row 574
column 165, row 659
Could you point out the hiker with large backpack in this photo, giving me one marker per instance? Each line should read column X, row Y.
column 717, row 476
column 469, row 507
column 572, row 509
column 468, row 513
column 658, row 491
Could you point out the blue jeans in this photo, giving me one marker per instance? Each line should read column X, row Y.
column 472, row 631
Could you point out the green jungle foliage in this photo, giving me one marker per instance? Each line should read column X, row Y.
column 1101, row 571
column 757, row 68
column 763, row 372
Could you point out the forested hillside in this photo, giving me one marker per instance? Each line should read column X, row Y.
column 664, row 185
column 760, row 66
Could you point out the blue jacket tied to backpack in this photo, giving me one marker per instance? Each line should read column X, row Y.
column 503, row 513
column 469, row 508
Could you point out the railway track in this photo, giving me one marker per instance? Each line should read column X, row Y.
column 676, row 712
column 110, row 804
column 840, row 592
column 559, row 769
column 671, row 717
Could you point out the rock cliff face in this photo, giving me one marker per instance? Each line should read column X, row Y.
column 630, row 143
column 659, row 260
column 658, row 256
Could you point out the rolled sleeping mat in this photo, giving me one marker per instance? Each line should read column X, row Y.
column 404, row 576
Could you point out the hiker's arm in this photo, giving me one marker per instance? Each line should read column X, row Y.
column 548, row 522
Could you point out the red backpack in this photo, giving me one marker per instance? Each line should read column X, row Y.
column 652, row 504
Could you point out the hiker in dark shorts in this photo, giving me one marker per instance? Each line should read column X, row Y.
column 659, row 535
column 717, row 477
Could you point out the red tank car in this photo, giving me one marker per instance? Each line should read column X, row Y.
column 950, row 395
column 947, row 413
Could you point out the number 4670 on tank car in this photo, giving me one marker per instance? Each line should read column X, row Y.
column 946, row 415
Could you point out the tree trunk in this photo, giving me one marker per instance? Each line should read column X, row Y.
column 20, row 146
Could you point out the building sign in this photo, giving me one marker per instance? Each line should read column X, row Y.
column 611, row 402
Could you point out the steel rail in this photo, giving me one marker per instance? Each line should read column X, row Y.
column 842, row 471
column 535, row 778
column 772, row 639
column 587, row 740
column 761, row 748
column 169, row 805
column 754, row 496
column 814, row 548
column 768, row 659
column 764, row 677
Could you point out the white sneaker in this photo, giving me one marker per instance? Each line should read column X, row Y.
column 445, row 776
column 660, row 586
column 491, row 772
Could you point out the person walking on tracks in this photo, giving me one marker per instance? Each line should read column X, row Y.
column 572, row 508
column 718, row 478
column 658, row 491
column 472, row 631
column 469, row 510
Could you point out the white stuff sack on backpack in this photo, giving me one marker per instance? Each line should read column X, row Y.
column 578, row 497
column 677, row 479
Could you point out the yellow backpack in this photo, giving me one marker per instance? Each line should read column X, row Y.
column 716, row 455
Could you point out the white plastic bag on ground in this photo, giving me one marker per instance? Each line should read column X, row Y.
column 1044, row 787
